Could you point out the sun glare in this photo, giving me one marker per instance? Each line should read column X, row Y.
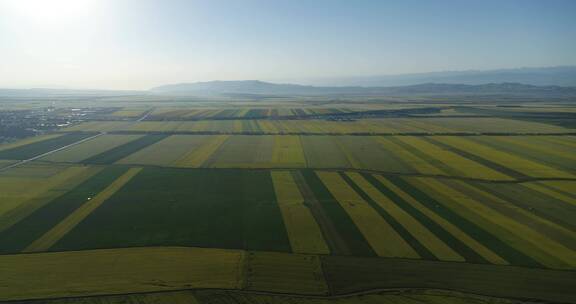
column 50, row 12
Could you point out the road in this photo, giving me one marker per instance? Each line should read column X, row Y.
column 50, row 152
column 19, row 163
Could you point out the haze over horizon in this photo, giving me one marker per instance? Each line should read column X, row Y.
column 139, row 44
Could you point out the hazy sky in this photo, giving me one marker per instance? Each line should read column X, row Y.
column 137, row 44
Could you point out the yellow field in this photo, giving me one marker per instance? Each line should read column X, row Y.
column 5, row 163
column 562, row 190
column 25, row 189
column 196, row 158
column 419, row 164
column 567, row 141
column 511, row 161
column 450, row 228
column 551, row 192
column 61, row 229
column 288, row 152
column 175, row 297
column 491, row 124
column 99, row 126
column 117, row 271
column 463, row 166
column 167, row 152
column 400, row 296
column 375, row 126
column 553, row 227
column 375, row 229
column 532, row 243
column 27, row 141
column 130, row 112
column 90, row 148
column 268, row 126
column 284, row 273
column 535, row 145
column 303, row 231
column 419, row 231
column 397, row 246
column 347, row 154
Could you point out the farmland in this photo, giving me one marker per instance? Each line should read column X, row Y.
column 315, row 126
column 285, row 202
column 475, row 157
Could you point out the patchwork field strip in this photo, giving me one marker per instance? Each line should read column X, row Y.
column 27, row 141
column 400, row 243
column 349, row 239
column 533, row 149
column 117, row 271
column 130, row 112
column 536, row 145
column 306, row 211
column 455, row 237
column 418, row 226
column 441, row 156
column 117, row 153
column 197, row 158
column 170, row 151
column 422, row 296
column 561, row 190
column 389, row 126
column 182, row 207
column 288, row 152
column 243, row 152
column 373, row 227
column 514, row 162
column 22, row 233
column 90, row 148
column 549, row 227
column 348, row 275
column 523, row 246
column 334, row 240
column 303, row 231
column 549, row 207
column 57, row 232
column 210, row 271
column 454, row 164
column 36, row 148
column 284, row 273
column 25, row 189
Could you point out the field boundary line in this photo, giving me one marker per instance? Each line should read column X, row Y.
column 259, row 133
column 370, row 171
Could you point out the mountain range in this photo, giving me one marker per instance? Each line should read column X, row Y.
column 543, row 76
column 524, row 82
column 256, row 87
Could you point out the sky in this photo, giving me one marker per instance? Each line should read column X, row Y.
column 139, row 44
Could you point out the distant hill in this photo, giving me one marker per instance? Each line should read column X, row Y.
column 235, row 87
column 247, row 87
column 42, row 92
column 546, row 76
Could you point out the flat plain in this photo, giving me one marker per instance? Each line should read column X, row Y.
column 282, row 203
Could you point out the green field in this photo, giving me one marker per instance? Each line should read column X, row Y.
column 177, row 207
